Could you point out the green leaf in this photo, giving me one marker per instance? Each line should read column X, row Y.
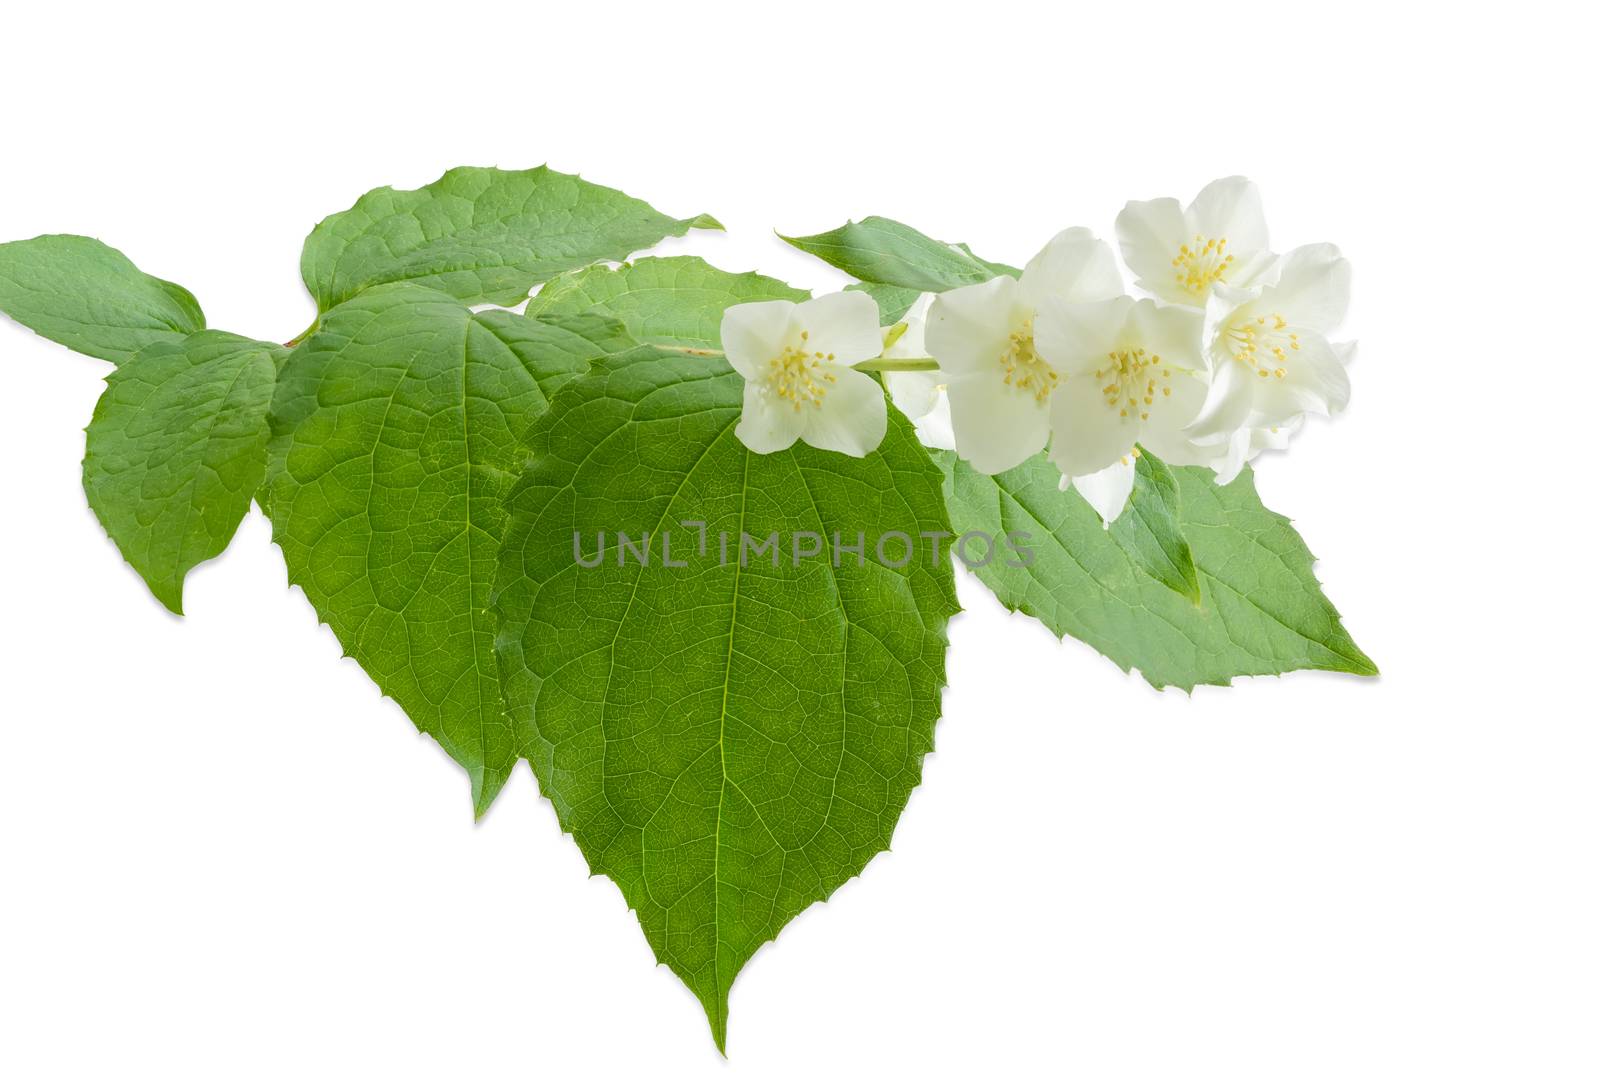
column 893, row 302
column 1261, row 610
column 396, row 434
column 729, row 744
column 662, row 300
column 480, row 235
column 82, row 293
column 1150, row 532
column 881, row 251
column 176, row 448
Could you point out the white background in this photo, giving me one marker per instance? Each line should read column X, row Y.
column 224, row 860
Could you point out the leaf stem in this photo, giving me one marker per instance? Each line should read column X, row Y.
column 708, row 353
column 910, row 363
column 312, row 328
column 915, row 363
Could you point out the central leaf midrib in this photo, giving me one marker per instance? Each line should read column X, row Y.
column 722, row 754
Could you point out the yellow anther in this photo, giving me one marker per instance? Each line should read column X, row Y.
column 1203, row 266
column 800, row 377
column 1023, row 367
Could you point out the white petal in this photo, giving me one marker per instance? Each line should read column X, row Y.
column 1231, row 462
column 1313, row 288
column 1171, row 332
column 852, row 417
column 1230, row 208
column 1274, row 438
column 768, row 424
column 1075, row 337
column 1313, row 381
column 1247, row 442
column 1228, row 402
column 1170, row 414
column 755, row 333
column 1225, row 307
column 1107, row 491
column 936, row 428
column 843, row 324
column 914, row 392
column 996, row 426
column 1086, row 433
column 1074, row 266
column 969, row 328
column 1175, row 382
column 1150, row 232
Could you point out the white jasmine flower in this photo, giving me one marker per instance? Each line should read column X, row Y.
column 999, row 387
column 1131, row 373
column 796, row 360
column 1181, row 255
column 1270, row 356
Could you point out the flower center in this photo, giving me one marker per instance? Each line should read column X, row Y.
column 1263, row 344
column 1133, row 381
column 1024, row 369
column 800, row 376
column 1201, row 265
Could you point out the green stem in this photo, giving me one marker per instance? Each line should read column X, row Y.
column 917, row 363
column 312, row 328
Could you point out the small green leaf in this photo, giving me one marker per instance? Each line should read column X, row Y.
column 176, row 448
column 1261, row 610
column 558, row 347
column 881, row 251
column 479, row 235
column 662, row 300
column 1149, row 530
column 83, row 294
column 729, row 743
column 397, row 431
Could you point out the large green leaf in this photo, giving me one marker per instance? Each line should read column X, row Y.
column 480, row 235
column 728, row 743
column 396, row 434
column 662, row 300
column 82, row 293
column 882, row 251
column 1260, row 611
column 176, row 448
